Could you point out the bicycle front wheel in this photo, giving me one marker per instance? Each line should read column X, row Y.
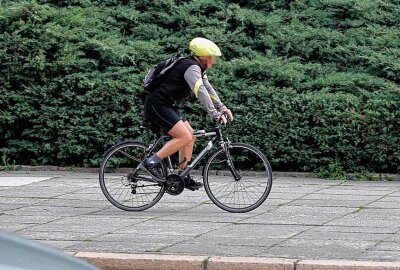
column 123, row 184
column 238, row 180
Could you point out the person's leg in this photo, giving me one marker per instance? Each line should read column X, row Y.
column 185, row 156
column 169, row 120
column 186, row 152
column 181, row 136
column 182, row 141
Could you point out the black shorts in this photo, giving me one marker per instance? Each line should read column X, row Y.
column 162, row 115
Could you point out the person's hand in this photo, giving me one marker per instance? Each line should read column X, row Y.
column 222, row 119
column 227, row 111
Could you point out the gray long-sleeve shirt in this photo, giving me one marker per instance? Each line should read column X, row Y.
column 203, row 90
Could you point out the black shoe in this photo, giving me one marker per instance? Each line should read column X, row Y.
column 191, row 184
column 153, row 168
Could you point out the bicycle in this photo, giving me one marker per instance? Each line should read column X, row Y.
column 237, row 177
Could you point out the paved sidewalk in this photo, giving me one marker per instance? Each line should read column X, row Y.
column 302, row 219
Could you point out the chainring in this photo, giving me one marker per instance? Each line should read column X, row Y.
column 174, row 184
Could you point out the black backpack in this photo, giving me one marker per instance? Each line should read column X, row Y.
column 156, row 74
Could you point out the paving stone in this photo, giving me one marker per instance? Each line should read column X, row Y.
column 58, row 236
column 346, row 191
column 36, row 192
column 262, row 231
column 302, row 218
column 359, row 220
column 78, row 196
column 387, row 246
column 214, row 249
column 60, row 245
column 5, row 207
column 141, row 243
column 311, row 210
column 331, row 203
column 210, row 209
column 385, row 204
column 292, row 215
column 85, row 224
column 14, row 181
column 379, row 256
column 321, row 233
column 394, row 237
column 159, row 227
column 12, row 227
column 244, row 240
column 122, row 247
column 112, row 211
column 29, row 219
column 213, row 217
column 394, row 194
column 85, row 202
column 318, row 249
column 342, row 197
column 49, row 210
column 17, row 200
column 357, row 229
column 387, row 214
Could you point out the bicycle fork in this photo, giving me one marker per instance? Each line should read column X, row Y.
column 229, row 162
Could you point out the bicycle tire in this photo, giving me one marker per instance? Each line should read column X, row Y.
column 116, row 181
column 221, row 186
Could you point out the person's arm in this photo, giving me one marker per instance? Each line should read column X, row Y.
column 213, row 94
column 194, row 79
column 216, row 100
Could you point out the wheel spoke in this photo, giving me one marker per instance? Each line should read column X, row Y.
column 243, row 194
column 125, row 188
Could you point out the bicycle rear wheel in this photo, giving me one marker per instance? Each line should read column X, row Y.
column 123, row 185
column 238, row 181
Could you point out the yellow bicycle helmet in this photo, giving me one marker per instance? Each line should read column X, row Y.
column 204, row 47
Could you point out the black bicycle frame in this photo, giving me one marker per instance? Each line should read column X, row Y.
column 202, row 133
column 217, row 137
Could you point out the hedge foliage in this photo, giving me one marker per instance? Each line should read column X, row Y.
column 310, row 82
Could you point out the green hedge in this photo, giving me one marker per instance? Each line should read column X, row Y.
column 310, row 82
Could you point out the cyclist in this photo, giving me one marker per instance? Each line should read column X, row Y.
column 162, row 105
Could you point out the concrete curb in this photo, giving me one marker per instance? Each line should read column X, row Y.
column 346, row 265
column 117, row 261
